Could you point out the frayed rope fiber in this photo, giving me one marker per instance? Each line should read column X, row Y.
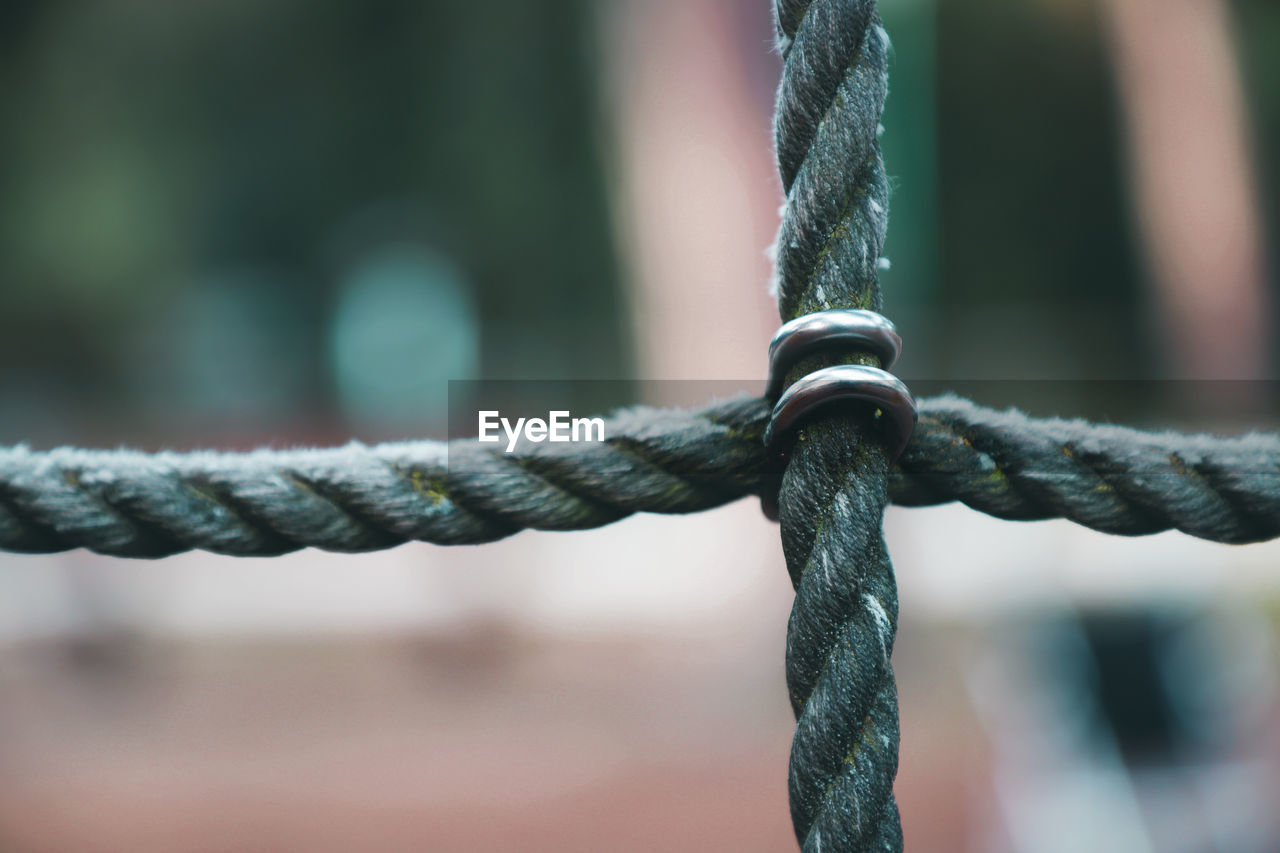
column 359, row 498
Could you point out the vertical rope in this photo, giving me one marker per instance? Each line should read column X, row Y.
column 831, row 504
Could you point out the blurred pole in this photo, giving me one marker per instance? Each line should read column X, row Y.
column 1193, row 177
column 696, row 192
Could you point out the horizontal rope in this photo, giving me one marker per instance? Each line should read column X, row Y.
column 360, row 498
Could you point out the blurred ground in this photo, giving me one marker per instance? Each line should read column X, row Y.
column 483, row 741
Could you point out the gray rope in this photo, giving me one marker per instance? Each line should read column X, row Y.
column 1109, row 478
column 844, row 755
column 359, row 498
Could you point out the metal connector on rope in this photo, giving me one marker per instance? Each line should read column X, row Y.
column 845, row 328
column 874, row 386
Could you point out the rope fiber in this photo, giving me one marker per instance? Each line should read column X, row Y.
column 359, row 498
column 844, row 754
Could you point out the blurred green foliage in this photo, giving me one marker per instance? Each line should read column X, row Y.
column 148, row 149
column 191, row 191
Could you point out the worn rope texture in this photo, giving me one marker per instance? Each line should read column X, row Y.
column 844, row 755
column 357, row 498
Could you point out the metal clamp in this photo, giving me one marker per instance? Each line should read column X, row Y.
column 841, row 383
column 847, row 328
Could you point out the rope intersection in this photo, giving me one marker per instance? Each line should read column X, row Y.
column 831, row 492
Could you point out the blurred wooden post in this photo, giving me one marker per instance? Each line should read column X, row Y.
column 1193, row 175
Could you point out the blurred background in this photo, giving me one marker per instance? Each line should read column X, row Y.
column 293, row 222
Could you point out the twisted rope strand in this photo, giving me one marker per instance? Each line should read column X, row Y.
column 844, row 755
column 359, row 498
column 1109, row 478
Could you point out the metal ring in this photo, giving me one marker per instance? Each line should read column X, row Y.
column 847, row 327
column 845, row 382
column 842, row 383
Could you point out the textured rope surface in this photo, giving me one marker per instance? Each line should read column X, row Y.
column 358, row 498
column 844, row 755
column 1110, row 478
